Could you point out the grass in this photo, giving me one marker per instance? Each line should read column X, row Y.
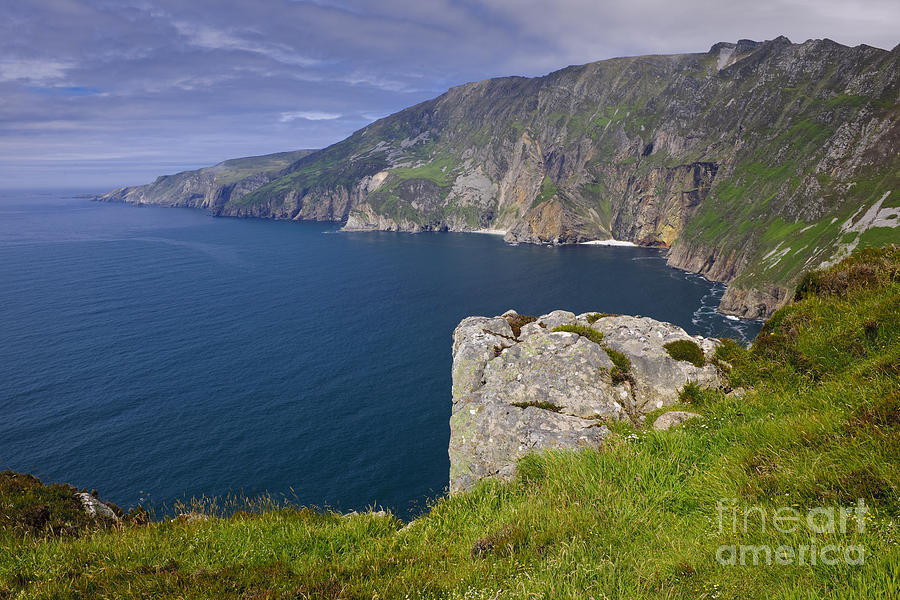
column 619, row 359
column 594, row 317
column 516, row 322
column 879, row 236
column 32, row 509
column 691, row 393
column 865, row 268
column 639, row 518
column 687, row 351
column 621, row 370
column 548, row 190
column 440, row 170
column 582, row 330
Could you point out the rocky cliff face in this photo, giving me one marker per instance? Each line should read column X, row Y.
column 519, row 386
column 720, row 156
column 212, row 188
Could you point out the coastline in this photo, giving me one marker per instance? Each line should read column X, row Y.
column 608, row 243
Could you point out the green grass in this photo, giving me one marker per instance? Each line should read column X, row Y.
column 639, row 518
column 585, row 332
column 879, row 236
column 621, row 370
column 31, row 509
column 440, row 170
column 548, row 190
column 237, row 169
column 618, row 359
column 686, row 350
column 691, row 393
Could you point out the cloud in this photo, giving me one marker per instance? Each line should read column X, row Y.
column 287, row 117
column 33, row 70
column 214, row 39
column 206, row 80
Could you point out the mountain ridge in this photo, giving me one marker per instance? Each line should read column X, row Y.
column 209, row 187
column 722, row 157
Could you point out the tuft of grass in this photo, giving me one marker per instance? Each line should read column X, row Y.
column 621, row 371
column 691, row 393
column 618, row 359
column 687, row 351
column 881, row 416
column 585, row 332
column 517, row 321
column 538, row 404
column 618, row 375
column 502, row 543
column 594, row 317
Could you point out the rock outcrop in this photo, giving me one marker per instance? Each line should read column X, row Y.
column 95, row 508
column 519, row 386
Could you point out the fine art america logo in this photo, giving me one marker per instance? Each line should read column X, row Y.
column 827, row 522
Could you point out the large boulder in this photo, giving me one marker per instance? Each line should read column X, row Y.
column 554, row 390
column 95, row 508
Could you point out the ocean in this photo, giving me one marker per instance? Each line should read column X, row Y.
column 159, row 354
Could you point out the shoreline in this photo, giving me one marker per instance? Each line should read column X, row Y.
column 608, row 243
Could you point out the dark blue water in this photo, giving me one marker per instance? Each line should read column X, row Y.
column 156, row 353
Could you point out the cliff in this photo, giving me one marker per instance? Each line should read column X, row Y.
column 211, row 187
column 751, row 162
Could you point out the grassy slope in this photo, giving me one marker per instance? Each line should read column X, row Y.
column 225, row 173
column 232, row 171
column 741, row 209
column 820, row 427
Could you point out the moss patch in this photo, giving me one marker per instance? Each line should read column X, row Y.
column 585, row 332
column 542, row 405
column 687, row 351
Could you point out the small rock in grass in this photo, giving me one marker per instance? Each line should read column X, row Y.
column 672, row 418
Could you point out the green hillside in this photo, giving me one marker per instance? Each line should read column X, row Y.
column 210, row 187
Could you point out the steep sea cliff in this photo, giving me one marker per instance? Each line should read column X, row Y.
column 752, row 162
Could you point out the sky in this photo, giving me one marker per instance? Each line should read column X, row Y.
column 96, row 94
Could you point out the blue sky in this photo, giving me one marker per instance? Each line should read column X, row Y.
column 102, row 93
